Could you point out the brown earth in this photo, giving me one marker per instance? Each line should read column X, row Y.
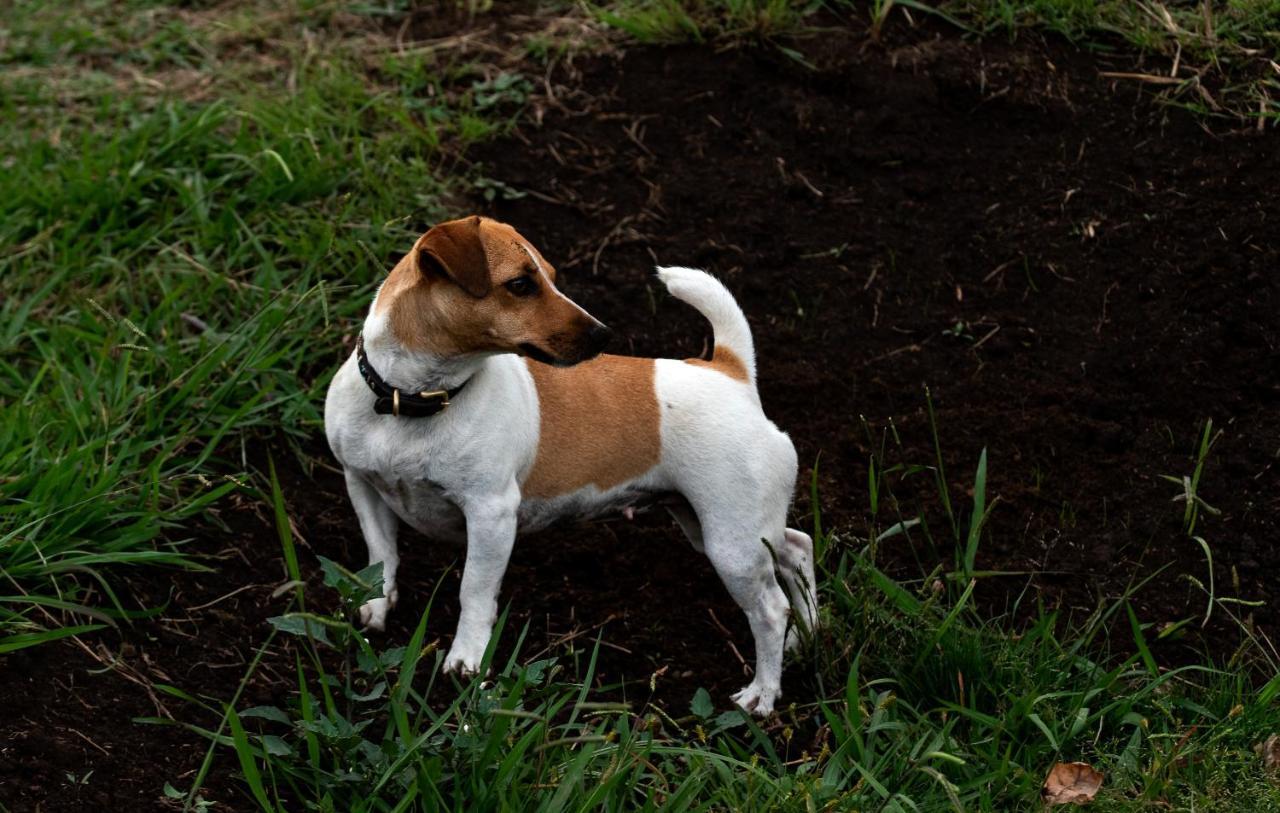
column 1080, row 277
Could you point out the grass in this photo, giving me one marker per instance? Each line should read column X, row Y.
column 915, row 700
column 704, row 20
column 192, row 210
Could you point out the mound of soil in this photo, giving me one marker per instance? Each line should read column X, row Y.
column 1080, row 277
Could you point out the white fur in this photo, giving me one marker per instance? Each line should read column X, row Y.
column 713, row 300
column 457, row 476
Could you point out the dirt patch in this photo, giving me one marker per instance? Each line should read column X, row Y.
column 1080, row 277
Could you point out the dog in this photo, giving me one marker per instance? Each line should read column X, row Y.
column 477, row 406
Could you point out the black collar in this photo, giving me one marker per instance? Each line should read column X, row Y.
column 392, row 401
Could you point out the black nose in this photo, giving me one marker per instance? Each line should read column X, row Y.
column 598, row 338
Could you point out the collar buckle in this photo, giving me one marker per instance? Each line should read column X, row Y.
column 436, row 394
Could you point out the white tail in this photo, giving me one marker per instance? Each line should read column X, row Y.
column 713, row 300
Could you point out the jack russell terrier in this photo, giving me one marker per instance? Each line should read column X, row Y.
column 439, row 422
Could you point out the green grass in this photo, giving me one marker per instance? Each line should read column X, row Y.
column 191, row 212
column 914, row 700
column 703, row 20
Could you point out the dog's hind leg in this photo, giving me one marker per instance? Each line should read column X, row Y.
column 795, row 562
column 744, row 564
column 379, row 525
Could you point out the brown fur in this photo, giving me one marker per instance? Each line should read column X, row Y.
column 599, row 424
column 724, row 360
column 447, row 297
column 402, row 277
column 458, row 250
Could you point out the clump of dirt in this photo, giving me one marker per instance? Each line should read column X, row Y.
column 1081, row 279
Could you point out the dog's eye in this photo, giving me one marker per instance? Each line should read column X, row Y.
column 522, row 286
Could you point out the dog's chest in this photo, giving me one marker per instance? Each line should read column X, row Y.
column 421, row 502
column 406, row 470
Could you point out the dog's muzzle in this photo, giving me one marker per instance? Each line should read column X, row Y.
column 586, row 345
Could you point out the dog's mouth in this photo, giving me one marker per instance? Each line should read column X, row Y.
column 571, row 349
column 538, row 354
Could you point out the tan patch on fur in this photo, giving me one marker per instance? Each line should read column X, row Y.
column 401, row 278
column 599, row 424
column 724, row 360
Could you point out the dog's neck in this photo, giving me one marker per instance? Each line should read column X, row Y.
column 412, row 370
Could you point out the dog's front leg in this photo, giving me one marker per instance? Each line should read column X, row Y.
column 379, row 524
column 491, row 533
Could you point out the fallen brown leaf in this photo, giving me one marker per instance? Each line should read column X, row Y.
column 1070, row 783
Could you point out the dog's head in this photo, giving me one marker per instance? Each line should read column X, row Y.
column 475, row 285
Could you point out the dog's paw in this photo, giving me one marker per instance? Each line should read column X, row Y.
column 373, row 614
column 465, row 656
column 757, row 699
column 463, row 661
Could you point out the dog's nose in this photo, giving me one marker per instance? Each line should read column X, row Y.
column 598, row 338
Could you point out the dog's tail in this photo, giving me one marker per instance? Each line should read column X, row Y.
column 713, row 300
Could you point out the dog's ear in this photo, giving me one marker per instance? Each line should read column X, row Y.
column 454, row 250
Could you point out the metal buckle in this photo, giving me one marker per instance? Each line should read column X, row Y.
column 395, row 403
column 434, row 393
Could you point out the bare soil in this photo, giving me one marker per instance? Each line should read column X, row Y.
column 1080, row 277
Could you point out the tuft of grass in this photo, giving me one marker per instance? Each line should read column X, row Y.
column 667, row 21
column 914, row 700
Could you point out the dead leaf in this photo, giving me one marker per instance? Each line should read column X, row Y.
column 1270, row 753
column 1070, row 783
